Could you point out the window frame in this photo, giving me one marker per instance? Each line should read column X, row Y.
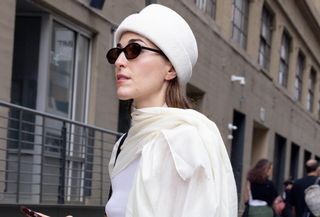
column 311, row 89
column 209, row 7
column 80, row 31
column 240, row 28
column 267, row 19
column 285, row 49
column 298, row 83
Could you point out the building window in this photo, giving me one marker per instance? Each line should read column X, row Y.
column 284, row 60
column 51, row 75
column 265, row 39
column 67, row 97
column 240, row 22
column 311, row 86
column 299, row 76
column 148, row 2
column 208, row 6
column 68, row 73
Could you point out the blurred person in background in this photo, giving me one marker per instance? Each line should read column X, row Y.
column 260, row 192
column 300, row 185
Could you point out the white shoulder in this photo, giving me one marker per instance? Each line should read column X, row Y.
column 188, row 150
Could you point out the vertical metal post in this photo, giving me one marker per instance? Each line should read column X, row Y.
column 19, row 156
column 101, row 168
column 61, row 187
column 42, row 155
column 84, row 155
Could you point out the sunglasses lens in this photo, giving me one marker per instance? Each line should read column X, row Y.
column 113, row 55
column 132, row 50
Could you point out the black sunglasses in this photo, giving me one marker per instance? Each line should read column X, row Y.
column 131, row 51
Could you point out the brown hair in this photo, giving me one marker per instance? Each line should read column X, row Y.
column 175, row 97
column 259, row 173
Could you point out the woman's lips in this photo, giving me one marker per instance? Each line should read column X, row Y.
column 122, row 77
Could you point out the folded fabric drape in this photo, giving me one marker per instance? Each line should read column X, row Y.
column 182, row 156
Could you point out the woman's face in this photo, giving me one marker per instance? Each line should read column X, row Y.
column 145, row 78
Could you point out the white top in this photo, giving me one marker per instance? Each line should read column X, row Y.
column 121, row 185
column 255, row 202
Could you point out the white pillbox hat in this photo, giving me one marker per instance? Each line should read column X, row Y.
column 169, row 32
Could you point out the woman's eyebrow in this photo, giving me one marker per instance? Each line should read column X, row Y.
column 135, row 40
column 119, row 45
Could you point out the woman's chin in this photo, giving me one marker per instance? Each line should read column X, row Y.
column 124, row 93
column 123, row 96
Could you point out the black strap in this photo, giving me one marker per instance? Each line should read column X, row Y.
column 115, row 160
column 119, row 147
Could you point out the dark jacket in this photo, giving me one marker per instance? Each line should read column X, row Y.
column 297, row 195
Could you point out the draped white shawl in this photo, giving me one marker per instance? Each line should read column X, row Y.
column 184, row 167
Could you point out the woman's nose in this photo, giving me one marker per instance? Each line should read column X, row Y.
column 121, row 60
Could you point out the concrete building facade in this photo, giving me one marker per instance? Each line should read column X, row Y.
column 257, row 77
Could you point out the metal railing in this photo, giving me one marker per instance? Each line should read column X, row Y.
column 46, row 159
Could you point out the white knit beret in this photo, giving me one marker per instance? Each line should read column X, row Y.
column 169, row 32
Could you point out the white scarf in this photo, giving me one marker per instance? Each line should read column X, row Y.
column 148, row 123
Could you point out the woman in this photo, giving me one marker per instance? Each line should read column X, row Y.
column 173, row 161
column 260, row 193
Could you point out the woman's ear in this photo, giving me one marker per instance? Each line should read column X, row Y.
column 171, row 74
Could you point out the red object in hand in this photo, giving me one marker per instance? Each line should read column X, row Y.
column 278, row 205
column 28, row 212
